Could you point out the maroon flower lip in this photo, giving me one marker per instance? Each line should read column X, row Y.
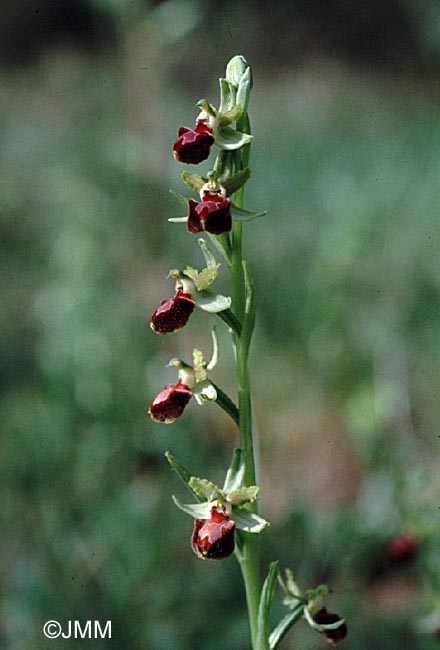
column 214, row 538
column 172, row 314
column 212, row 214
column 193, row 145
column 170, row 403
column 323, row 617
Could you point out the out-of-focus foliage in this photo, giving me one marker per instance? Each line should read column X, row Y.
column 346, row 362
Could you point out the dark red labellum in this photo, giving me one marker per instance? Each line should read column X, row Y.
column 214, row 538
column 402, row 549
column 172, row 314
column 193, row 146
column 323, row 617
column 170, row 403
column 212, row 214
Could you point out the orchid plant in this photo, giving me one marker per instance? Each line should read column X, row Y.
column 226, row 518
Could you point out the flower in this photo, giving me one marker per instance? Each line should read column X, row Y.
column 212, row 214
column 172, row 314
column 193, row 146
column 324, row 618
column 170, row 403
column 402, row 549
column 214, row 538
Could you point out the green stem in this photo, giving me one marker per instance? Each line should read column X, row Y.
column 248, row 553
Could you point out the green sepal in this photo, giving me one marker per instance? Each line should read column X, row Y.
column 235, row 474
column 212, row 303
column 230, row 139
column 230, row 116
column 194, row 181
column 242, row 495
column 236, row 181
column 243, row 216
column 202, row 487
column 284, row 626
column 181, row 472
column 194, row 510
column 248, row 521
column 266, row 599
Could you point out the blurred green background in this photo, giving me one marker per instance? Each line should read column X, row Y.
column 345, row 114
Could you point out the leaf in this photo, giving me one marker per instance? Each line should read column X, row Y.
column 236, row 181
column 202, row 487
column 243, row 495
column 248, row 521
column 243, row 216
column 195, row 510
column 249, row 308
column 284, row 626
column 230, row 139
column 202, row 279
column 267, row 595
column 212, row 303
column 194, row 181
column 207, row 254
column 235, row 474
column 230, row 116
column 183, row 474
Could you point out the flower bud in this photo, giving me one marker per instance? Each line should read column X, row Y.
column 402, row 549
column 170, row 403
column 193, row 146
column 172, row 314
column 214, row 538
column 323, row 617
column 212, row 214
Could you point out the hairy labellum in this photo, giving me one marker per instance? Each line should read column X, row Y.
column 212, row 214
column 172, row 314
column 170, row 403
column 214, row 538
column 323, row 617
column 193, row 145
